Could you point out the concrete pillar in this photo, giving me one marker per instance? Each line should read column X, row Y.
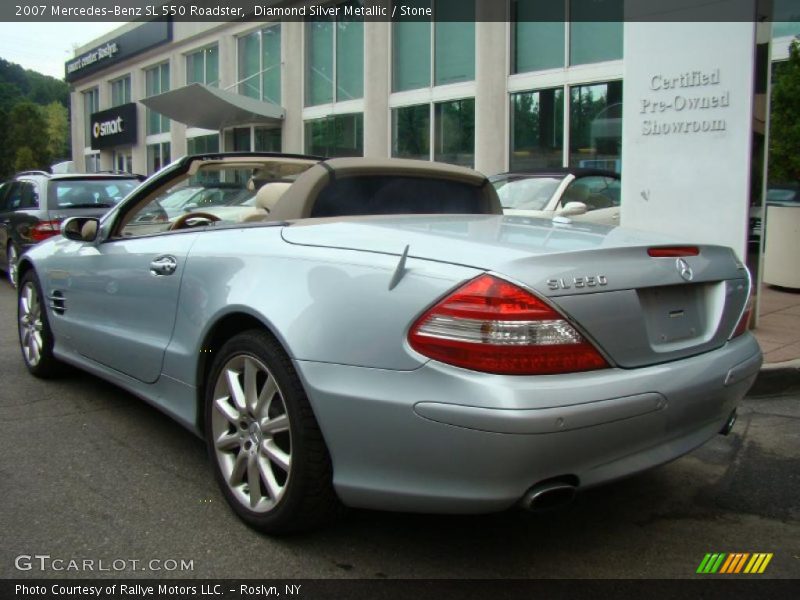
column 78, row 128
column 491, row 99
column 139, row 151
column 292, row 85
column 177, row 79
column 377, row 85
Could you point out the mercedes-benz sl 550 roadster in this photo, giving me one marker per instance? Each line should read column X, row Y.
column 375, row 333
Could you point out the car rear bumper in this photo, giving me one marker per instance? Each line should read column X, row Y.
column 443, row 439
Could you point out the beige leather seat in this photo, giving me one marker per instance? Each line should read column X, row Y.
column 266, row 199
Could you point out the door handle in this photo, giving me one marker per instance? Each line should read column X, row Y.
column 163, row 265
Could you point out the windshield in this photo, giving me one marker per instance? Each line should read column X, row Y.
column 526, row 193
column 89, row 193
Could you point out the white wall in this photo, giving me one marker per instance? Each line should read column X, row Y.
column 686, row 168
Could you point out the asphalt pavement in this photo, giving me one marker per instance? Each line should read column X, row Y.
column 88, row 472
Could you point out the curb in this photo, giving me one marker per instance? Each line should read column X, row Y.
column 777, row 379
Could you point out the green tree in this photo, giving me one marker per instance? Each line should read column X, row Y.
column 57, row 127
column 27, row 128
column 25, row 160
column 784, row 144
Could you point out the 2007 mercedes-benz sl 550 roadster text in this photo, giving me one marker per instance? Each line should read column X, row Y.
column 375, row 333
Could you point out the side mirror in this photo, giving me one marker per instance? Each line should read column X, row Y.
column 572, row 209
column 80, row 229
column 190, row 207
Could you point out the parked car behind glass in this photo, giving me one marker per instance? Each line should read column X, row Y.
column 33, row 204
column 580, row 194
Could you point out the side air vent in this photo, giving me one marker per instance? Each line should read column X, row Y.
column 58, row 302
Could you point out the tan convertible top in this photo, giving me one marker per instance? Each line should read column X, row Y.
column 298, row 201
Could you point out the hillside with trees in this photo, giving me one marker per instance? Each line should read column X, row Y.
column 34, row 120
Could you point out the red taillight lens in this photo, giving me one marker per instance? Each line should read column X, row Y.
column 45, row 229
column 673, row 251
column 744, row 322
column 493, row 326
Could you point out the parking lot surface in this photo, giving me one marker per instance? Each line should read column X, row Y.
column 89, row 472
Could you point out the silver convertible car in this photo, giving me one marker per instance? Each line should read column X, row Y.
column 448, row 359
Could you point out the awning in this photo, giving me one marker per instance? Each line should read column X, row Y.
column 198, row 105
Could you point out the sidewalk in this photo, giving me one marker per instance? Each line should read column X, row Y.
column 778, row 331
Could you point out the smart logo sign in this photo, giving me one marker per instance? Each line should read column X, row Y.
column 114, row 127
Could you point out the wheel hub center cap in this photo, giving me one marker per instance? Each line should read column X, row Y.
column 255, row 433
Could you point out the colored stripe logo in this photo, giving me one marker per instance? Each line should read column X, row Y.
column 734, row 563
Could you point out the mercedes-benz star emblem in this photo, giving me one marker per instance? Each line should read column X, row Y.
column 684, row 269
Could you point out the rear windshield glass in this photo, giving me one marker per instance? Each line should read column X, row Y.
column 89, row 193
column 388, row 195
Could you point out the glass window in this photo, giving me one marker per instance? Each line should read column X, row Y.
column 92, row 162
column 596, row 192
column 391, row 195
column 454, row 41
column 538, row 35
column 249, row 64
column 88, row 193
column 786, row 18
column 596, row 30
column 595, row 113
column 121, row 91
column 91, row 104
column 267, row 139
column 454, row 132
column 411, row 130
column 203, row 67
column 156, row 81
column 335, row 57
column 259, row 64
column 537, row 129
column 158, row 156
column 319, row 62
column 526, row 193
column 202, row 144
column 241, row 139
column 411, row 51
column 350, row 57
column 337, row 135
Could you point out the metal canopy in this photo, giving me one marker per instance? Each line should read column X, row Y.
column 198, row 105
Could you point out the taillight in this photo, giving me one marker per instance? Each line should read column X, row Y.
column 744, row 321
column 673, row 251
column 493, row 326
column 45, row 229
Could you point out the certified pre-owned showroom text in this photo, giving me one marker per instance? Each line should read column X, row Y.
column 45, row 562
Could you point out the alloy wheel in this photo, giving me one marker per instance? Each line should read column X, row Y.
column 30, row 324
column 251, row 433
column 13, row 268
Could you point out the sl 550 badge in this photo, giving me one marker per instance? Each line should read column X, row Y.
column 590, row 281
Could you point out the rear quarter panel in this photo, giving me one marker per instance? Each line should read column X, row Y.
column 323, row 304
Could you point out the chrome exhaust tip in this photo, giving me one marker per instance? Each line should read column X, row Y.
column 726, row 429
column 548, row 496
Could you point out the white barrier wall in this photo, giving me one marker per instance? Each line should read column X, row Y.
column 687, row 121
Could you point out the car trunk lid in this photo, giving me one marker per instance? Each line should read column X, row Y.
column 638, row 309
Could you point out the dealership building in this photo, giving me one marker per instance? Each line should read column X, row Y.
column 526, row 84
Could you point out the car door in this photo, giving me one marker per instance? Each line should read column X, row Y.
column 600, row 194
column 119, row 299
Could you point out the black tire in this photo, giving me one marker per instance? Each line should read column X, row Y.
column 45, row 365
column 306, row 499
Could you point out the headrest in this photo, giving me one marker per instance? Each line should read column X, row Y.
column 269, row 194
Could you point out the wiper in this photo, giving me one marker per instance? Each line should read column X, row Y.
column 87, row 205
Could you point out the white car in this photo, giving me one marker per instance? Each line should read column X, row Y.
column 589, row 195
